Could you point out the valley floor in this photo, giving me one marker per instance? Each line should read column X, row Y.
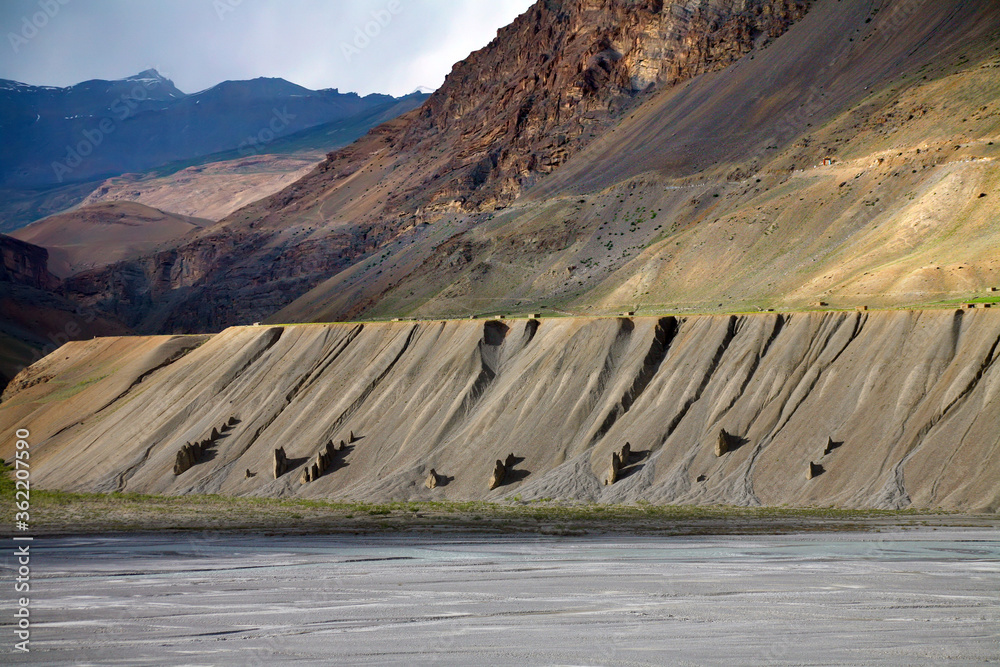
column 893, row 598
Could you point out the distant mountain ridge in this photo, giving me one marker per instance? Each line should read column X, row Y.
column 98, row 129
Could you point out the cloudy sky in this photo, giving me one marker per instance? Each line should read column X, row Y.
column 199, row 43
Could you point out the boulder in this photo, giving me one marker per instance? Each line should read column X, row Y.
column 306, row 476
column 432, row 479
column 625, row 454
column 702, row 478
column 353, row 438
column 232, row 421
column 510, row 462
column 250, row 474
column 499, row 473
column 215, row 435
column 815, row 470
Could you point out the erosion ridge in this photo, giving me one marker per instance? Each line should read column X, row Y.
column 815, row 408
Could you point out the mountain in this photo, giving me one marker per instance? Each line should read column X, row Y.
column 505, row 117
column 735, row 156
column 215, row 186
column 688, row 160
column 60, row 139
column 105, row 233
column 103, row 128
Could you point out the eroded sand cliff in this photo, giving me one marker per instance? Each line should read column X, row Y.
column 892, row 409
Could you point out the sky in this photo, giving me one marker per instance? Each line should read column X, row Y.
column 362, row 46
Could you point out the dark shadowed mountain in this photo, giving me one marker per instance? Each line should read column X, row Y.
column 34, row 319
column 56, row 138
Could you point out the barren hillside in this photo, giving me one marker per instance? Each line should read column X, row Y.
column 560, row 76
column 101, row 234
column 826, row 396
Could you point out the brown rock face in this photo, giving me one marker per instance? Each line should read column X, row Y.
column 25, row 264
column 555, row 77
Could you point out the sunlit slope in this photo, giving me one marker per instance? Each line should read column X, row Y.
column 897, row 409
column 853, row 162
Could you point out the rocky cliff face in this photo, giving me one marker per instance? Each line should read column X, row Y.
column 554, row 80
column 812, row 409
column 24, row 264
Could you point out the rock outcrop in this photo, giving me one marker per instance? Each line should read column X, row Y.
column 830, row 447
column 323, row 463
column 614, row 470
column 619, row 460
column 724, row 443
column 498, row 476
column 188, row 456
column 432, row 479
column 280, row 462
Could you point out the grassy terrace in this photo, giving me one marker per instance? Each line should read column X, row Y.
column 54, row 512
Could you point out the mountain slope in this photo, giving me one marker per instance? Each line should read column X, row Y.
column 221, row 183
column 714, row 194
column 485, row 135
